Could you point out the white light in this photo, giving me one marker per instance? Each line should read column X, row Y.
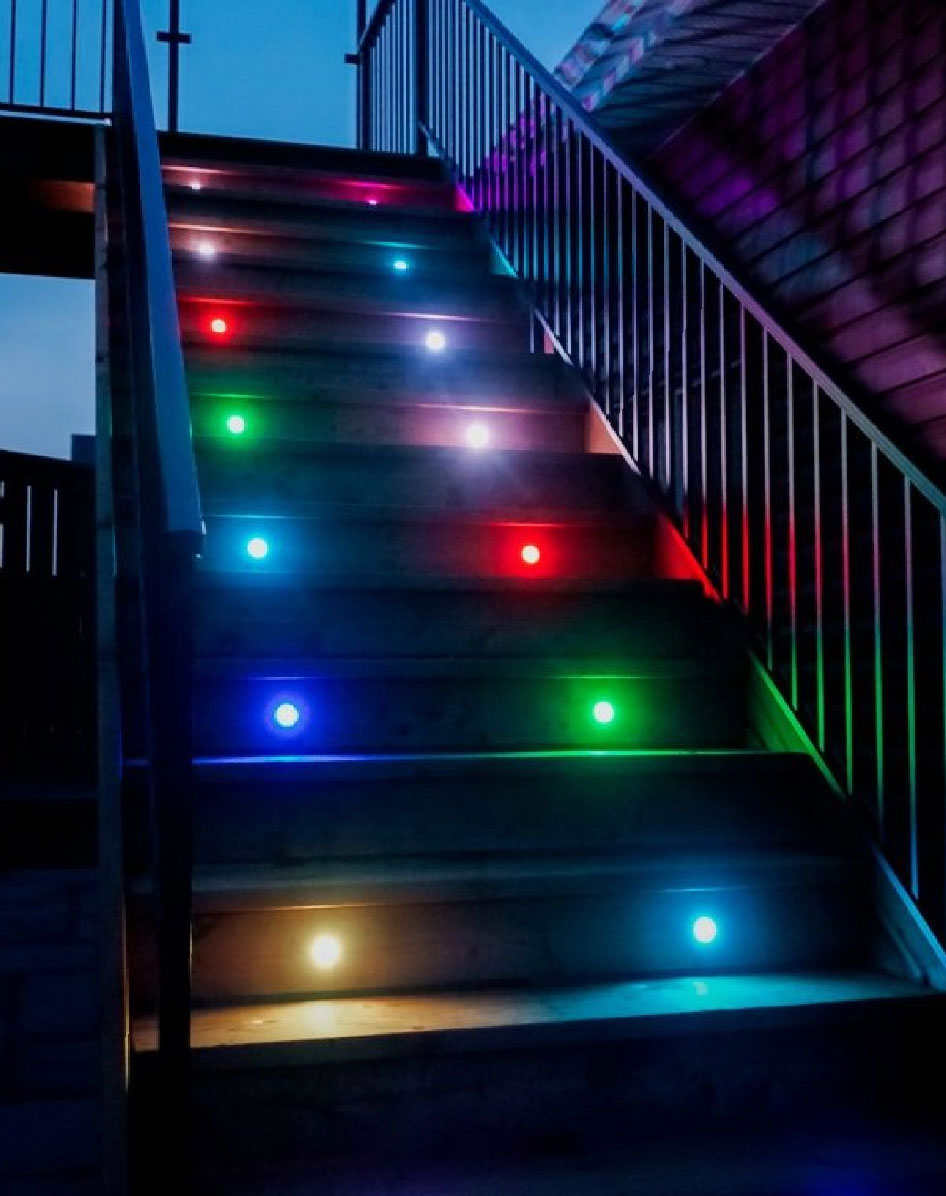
column 326, row 950
column 287, row 715
column 195, row 184
column 435, row 341
column 372, row 202
column 207, row 250
column 477, row 436
column 401, row 265
column 257, row 548
column 705, row 930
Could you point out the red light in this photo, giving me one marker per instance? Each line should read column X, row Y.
column 530, row 554
column 218, row 326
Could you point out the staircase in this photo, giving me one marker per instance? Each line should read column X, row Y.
column 496, row 836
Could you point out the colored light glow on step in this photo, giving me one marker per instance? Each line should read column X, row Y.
column 257, row 548
column 435, row 341
column 401, row 265
column 287, row 715
column 477, row 436
column 705, row 930
column 236, row 425
column 206, row 250
column 530, row 554
column 219, row 326
column 603, row 712
column 195, row 184
column 372, row 201
column 325, row 951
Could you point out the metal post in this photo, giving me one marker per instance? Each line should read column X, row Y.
column 174, row 39
column 420, row 80
column 361, row 60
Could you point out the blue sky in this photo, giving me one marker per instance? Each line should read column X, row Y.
column 274, row 70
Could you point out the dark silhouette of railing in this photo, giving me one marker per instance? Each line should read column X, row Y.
column 802, row 513
column 157, row 544
column 47, row 618
column 55, row 62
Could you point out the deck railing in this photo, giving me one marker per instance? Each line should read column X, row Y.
column 54, row 57
column 47, row 618
column 803, row 514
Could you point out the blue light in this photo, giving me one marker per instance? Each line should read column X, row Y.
column 705, row 930
column 257, row 548
column 287, row 715
column 401, row 265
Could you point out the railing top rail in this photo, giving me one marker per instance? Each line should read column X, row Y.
column 378, row 17
column 651, row 194
column 178, row 470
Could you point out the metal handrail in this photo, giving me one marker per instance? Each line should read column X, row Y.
column 803, row 513
column 47, row 75
column 134, row 116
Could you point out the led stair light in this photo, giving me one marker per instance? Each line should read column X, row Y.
column 257, row 548
column 530, row 554
column 603, row 712
column 477, row 436
column 206, row 250
column 287, row 715
column 325, row 951
column 236, row 425
column 401, row 265
column 705, row 930
column 195, row 184
column 219, row 326
column 435, row 341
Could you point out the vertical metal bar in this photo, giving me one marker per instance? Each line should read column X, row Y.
column 491, row 126
column 547, row 226
column 820, row 711
column 725, row 575
column 174, row 65
column 744, row 460
column 911, row 686
column 421, row 37
column 684, row 506
column 606, row 172
column 651, row 344
column 667, row 463
column 43, row 36
column 534, row 127
column 75, row 53
column 878, row 637
column 792, row 529
column 568, row 216
column 591, row 256
column 12, row 87
column 103, row 52
column 767, row 503
column 704, row 449
column 580, row 244
column 619, row 259
column 558, row 270
column 846, row 608
column 635, row 332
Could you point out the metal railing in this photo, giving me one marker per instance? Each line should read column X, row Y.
column 47, row 618
column 160, row 542
column 804, row 515
column 54, row 57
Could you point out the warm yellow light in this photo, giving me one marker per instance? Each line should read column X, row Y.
column 326, row 950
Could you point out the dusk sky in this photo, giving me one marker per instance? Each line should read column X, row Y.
column 273, row 70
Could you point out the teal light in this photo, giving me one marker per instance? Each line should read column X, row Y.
column 236, row 425
column 287, row 715
column 401, row 265
column 603, row 713
column 257, row 548
column 705, row 930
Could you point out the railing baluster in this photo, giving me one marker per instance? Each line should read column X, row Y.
column 846, row 609
column 43, row 35
column 723, row 514
column 767, row 507
column 820, row 701
column 619, row 276
column 790, row 544
column 909, row 615
column 880, row 811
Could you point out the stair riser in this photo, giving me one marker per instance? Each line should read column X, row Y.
column 402, row 551
column 235, row 247
column 265, row 954
column 434, row 424
column 256, row 325
column 492, row 712
column 316, row 623
column 398, row 377
column 303, row 186
column 750, row 1068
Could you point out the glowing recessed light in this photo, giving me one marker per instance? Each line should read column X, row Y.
column 435, row 341
column 236, row 424
column 372, row 201
column 401, row 265
column 603, row 712
column 530, row 554
column 257, row 548
column 206, row 250
column 325, row 951
column 287, row 715
column 477, row 436
column 218, row 326
column 705, row 930
column 195, row 184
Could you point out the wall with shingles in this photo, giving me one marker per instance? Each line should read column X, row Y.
column 823, row 169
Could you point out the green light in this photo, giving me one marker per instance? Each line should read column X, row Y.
column 236, row 424
column 705, row 931
column 603, row 712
